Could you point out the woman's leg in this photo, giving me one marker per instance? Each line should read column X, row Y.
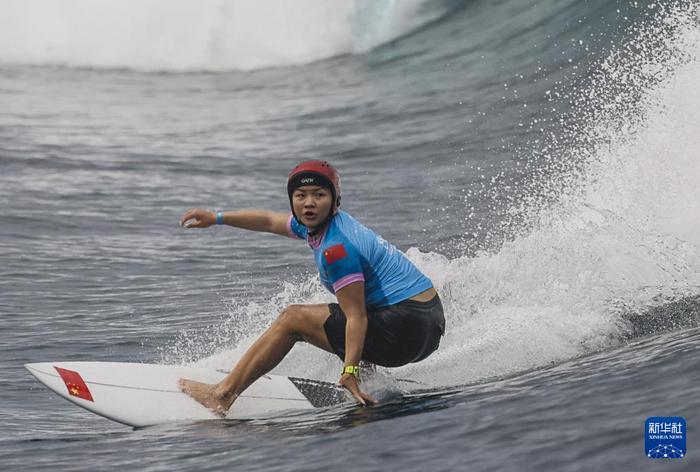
column 295, row 323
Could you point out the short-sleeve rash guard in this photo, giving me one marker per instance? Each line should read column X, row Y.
column 348, row 252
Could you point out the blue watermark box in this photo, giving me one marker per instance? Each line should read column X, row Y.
column 665, row 437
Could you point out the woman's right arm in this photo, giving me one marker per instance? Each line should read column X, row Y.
column 254, row 220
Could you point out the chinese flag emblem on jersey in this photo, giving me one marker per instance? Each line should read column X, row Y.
column 334, row 253
column 75, row 383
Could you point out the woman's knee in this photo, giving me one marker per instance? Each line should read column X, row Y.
column 291, row 318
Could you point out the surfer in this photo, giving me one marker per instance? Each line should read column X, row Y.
column 388, row 313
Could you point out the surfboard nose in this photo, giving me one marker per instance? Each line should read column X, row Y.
column 40, row 368
column 35, row 367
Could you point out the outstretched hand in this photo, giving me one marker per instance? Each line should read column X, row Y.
column 349, row 382
column 197, row 218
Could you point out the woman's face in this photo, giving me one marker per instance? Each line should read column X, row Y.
column 312, row 204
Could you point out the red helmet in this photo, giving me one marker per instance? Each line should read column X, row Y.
column 319, row 173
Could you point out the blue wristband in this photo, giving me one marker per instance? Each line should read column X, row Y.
column 219, row 217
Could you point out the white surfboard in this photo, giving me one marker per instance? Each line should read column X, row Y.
column 147, row 394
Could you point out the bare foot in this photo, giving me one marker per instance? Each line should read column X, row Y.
column 206, row 395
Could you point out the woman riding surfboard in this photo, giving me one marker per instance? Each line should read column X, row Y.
column 388, row 312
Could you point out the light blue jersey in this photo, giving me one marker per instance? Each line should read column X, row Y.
column 348, row 252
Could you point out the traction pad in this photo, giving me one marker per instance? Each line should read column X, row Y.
column 319, row 394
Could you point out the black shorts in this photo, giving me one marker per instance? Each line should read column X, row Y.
column 396, row 335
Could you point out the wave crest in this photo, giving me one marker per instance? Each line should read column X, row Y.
column 209, row 35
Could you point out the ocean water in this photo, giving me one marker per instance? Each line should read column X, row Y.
column 538, row 160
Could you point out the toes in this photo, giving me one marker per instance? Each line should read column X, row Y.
column 183, row 384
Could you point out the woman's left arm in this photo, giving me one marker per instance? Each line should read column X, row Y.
column 351, row 299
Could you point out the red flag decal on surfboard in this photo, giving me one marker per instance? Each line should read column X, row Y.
column 334, row 253
column 75, row 383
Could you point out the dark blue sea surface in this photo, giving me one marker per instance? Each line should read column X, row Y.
column 538, row 160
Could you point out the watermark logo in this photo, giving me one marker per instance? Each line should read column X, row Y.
column 664, row 437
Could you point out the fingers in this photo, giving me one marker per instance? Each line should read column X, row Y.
column 196, row 218
column 363, row 398
column 368, row 398
column 194, row 223
column 358, row 396
column 350, row 383
column 188, row 215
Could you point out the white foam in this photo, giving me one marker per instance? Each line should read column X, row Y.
column 624, row 236
column 183, row 35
